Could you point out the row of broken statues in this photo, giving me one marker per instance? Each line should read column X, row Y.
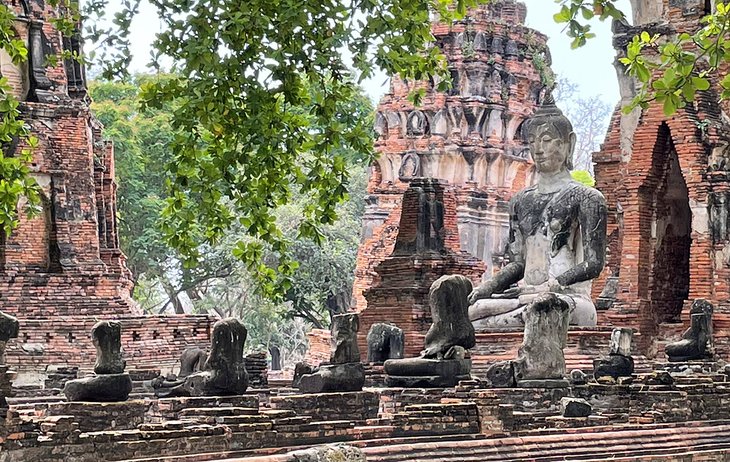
column 223, row 371
column 445, row 359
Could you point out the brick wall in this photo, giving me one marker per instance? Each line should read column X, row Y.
column 147, row 341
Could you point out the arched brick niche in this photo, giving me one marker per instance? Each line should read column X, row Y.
column 666, row 241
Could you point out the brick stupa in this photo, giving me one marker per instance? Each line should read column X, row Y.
column 426, row 248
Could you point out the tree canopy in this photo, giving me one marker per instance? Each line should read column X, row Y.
column 242, row 144
column 220, row 283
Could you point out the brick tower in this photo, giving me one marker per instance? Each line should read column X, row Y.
column 667, row 183
column 469, row 137
column 63, row 269
column 427, row 247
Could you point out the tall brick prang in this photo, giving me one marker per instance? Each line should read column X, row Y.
column 470, row 136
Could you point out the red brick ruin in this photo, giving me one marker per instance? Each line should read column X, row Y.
column 666, row 182
column 437, row 205
column 468, row 138
column 63, row 269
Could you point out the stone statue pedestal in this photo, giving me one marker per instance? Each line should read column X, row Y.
column 426, row 373
column 100, row 388
column 334, row 378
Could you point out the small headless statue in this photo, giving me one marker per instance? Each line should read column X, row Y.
column 557, row 234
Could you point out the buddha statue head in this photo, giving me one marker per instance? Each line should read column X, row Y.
column 551, row 138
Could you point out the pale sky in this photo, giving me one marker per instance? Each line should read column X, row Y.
column 590, row 67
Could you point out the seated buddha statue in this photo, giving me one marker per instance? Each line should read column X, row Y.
column 557, row 234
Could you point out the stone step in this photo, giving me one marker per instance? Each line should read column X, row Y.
column 575, row 445
column 218, row 411
column 240, row 419
column 278, row 413
column 275, row 454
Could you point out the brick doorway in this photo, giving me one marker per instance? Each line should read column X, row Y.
column 666, row 222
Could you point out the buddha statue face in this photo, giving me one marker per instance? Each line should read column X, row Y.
column 550, row 151
column 551, row 140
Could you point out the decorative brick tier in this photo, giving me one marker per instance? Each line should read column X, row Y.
column 469, row 137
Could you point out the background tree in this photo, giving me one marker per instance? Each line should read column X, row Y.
column 669, row 70
column 142, row 150
column 221, row 284
column 590, row 117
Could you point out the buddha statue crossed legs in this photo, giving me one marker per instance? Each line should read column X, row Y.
column 557, row 235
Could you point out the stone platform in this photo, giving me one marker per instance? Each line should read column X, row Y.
column 690, row 416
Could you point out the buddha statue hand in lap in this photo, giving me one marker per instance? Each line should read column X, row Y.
column 557, row 234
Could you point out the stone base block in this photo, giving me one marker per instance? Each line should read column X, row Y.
column 427, row 367
column 430, row 381
column 543, row 383
column 426, row 373
column 101, row 388
column 334, row 378
column 613, row 366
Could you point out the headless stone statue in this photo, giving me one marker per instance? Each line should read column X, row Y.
column 224, row 372
column 110, row 382
column 619, row 362
column 9, row 328
column 451, row 326
column 557, row 236
column 696, row 341
column 344, row 334
column 443, row 362
column 192, row 360
column 385, row 341
column 540, row 359
column 106, row 337
column 346, row 372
